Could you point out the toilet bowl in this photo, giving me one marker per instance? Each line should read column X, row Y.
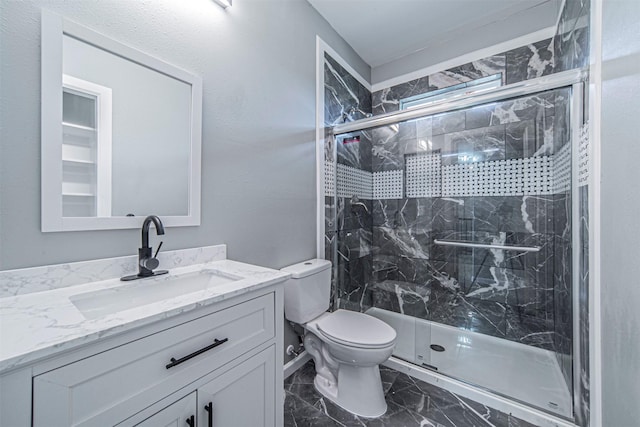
column 347, row 347
column 347, row 367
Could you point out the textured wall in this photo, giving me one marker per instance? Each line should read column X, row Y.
column 257, row 60
column 620, row 234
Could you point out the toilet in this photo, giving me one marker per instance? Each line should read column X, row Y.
column 346, row 346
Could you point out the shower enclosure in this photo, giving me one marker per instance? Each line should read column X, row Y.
column 454, row 224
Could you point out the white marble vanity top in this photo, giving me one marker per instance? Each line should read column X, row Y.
column 39, row 324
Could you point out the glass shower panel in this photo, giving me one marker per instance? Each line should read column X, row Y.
column 469, row 245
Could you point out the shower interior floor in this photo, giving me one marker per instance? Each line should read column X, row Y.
column 528, row 374
column 411, row 402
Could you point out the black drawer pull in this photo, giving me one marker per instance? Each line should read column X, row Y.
column 191, row 421
column 209, row 408
column 176, row 362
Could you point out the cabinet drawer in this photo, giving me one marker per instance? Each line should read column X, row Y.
column 108, row 387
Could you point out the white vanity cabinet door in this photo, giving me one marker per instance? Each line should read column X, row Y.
column 174, row 415
column 243, row 396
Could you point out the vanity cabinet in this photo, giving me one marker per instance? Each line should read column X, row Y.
column 223, row 357
column 179, row 413
column 242, row 395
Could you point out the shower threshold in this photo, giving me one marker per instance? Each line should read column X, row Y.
column 500, row 372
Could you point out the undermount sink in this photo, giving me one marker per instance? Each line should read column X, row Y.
column 147, row 291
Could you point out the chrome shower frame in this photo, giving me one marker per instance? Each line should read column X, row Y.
column 576, row 80
column 527, row 87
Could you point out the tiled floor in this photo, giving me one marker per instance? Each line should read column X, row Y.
column 411, row 403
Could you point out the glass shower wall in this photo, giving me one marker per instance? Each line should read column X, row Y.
column 495, row 175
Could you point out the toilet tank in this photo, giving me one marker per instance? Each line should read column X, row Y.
column 307, row 293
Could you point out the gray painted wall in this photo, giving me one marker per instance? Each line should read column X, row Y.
column 257, row 60
column 619, row 207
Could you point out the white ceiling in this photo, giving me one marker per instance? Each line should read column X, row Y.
column 382, row 31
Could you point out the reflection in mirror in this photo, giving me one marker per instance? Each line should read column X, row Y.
column 151, row 135
column 86, row 148
column 128, row 133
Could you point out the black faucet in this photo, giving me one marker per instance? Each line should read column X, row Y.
column 146, row 262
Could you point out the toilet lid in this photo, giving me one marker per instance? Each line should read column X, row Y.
column 356, row 329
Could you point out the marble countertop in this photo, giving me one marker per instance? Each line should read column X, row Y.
column 41, row 324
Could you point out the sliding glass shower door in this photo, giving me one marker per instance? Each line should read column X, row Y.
column 459, row 236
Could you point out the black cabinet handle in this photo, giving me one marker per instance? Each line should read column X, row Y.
column 191, row 421
column 209, row 408
column 176, row 362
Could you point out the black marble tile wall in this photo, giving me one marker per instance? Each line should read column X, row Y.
column 511, row 295
column 348, row 230
column 530, row 61
column 355, row 149
column 345, row 98
column 571, row 42
column 563, row 293
column 571, row 50
column 523, row 63
column 583, row 384
column 331, row 253
column 514, row 129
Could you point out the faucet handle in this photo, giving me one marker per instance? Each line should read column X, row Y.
column 149, row 263
column 158, row 250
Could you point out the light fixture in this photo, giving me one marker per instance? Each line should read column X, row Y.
column 224, row 3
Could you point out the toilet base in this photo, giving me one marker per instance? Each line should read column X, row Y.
column 359, row 390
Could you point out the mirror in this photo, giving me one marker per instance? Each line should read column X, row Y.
column 121, row 133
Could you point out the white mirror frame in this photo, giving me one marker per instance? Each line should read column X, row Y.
column 53, row 28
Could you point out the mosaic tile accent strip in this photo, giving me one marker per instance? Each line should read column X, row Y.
column 424, row 175
column 388, row 184
column 329, row 178
column 513, row 177
column 583, row 156
column 562, row 170
column 353, row 182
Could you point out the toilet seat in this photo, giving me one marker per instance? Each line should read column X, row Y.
column 355, row 329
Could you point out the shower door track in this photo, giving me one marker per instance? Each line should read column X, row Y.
column 553, row 81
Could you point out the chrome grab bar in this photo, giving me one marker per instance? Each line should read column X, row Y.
column 467, row 244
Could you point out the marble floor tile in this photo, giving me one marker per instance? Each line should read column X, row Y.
column 411, row 403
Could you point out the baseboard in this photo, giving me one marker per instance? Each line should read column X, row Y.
column 293, row 365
